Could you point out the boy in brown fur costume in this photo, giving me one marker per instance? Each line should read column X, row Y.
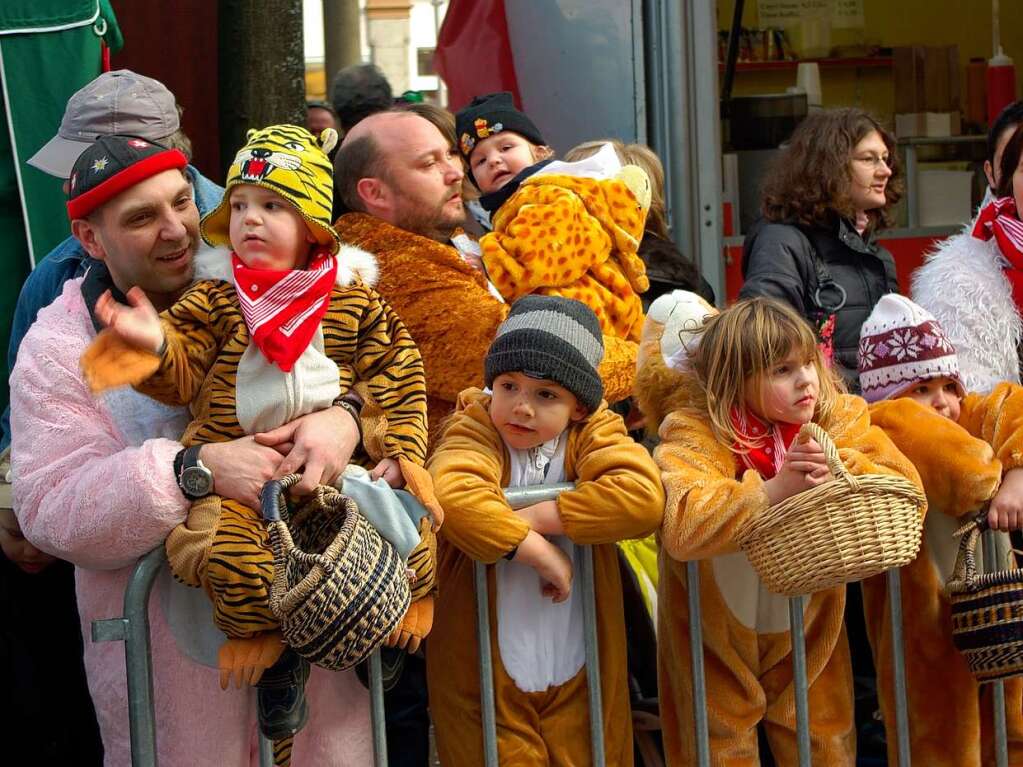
column 910, row 371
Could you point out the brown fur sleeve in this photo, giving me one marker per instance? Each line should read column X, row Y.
column 618, row 491
column 865, row 448
column 997, row 418
column 706, row 505
column 959, row 472
column 467, row 469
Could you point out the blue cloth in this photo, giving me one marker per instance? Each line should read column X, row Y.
column 395, row 514
column 66, row 262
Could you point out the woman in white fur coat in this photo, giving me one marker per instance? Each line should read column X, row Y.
column 966, row 282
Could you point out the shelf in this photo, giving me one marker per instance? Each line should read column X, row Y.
column 864, row 62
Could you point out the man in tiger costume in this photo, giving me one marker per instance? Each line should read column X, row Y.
column 94, row 483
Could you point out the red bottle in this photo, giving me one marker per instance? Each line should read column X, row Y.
column 1001, row 84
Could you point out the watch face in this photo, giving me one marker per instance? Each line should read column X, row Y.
column 196, row 481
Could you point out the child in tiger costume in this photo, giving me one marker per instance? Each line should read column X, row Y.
column 290, row 325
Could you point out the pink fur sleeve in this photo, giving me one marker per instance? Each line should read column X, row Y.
column 79, row 492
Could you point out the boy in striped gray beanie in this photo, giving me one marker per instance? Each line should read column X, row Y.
column 544, row 424
column 545, row 339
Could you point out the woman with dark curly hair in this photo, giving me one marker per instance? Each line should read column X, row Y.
column 829, row 192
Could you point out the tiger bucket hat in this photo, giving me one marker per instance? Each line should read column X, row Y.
column 290, row 161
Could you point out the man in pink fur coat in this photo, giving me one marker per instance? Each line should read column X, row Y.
column 95, row 484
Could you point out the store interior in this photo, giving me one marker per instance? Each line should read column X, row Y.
column 926, row 69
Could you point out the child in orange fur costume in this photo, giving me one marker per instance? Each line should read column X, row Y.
column 962, row 445
column 545, row 423
column 563, row 229
column 736, row 392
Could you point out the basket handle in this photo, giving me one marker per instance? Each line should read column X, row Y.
column 838, row 470
column 272, row 499
column 966, row 558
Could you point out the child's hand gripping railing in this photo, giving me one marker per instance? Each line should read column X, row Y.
column 133, row 629
column 519, row 498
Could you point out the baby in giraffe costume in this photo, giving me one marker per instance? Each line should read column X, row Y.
column 559, row 228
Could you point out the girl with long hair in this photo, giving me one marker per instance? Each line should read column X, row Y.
column 730, row 448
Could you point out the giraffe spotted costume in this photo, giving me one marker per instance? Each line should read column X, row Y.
column 577, row 237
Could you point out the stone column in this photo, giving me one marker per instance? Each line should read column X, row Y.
column 342, row 37
column 387, row 23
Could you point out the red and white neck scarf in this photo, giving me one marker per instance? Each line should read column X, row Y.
column 771, row 442
column 282, row 309
column 1000, row 219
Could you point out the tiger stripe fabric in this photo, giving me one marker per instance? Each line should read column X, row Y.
column 207, row 336
column 223, row 546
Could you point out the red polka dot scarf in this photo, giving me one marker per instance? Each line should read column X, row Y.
column 771, row 441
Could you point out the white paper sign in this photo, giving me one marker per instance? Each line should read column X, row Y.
column 844, row 14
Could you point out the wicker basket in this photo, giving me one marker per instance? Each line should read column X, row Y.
column 987, row 612
column 842, row 531
column 339, row 589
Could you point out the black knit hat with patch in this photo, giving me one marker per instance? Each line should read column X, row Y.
column 554, row 338
column 490, row 114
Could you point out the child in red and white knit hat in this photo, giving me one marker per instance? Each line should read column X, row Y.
column 968, row 449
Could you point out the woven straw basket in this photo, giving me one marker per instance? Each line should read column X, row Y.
column 339, row 589
column 987, row 612
column 842, row 531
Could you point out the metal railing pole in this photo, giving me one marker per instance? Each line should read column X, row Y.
column 592, row 657
column 266, row 751
column 487, row 711
column 696, row 661
column 899, row 666
column 517, row 498
column 376, row 709
column 991, row 564
column 799, row 679
column 133, row 630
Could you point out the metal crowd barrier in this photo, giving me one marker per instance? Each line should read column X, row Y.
column 518, row 498
column 133, row 629
column 799, row 677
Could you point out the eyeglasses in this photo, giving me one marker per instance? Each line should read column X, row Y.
column 874, row 161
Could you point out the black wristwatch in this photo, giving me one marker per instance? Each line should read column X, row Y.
column 194, row 479
column 353, row 406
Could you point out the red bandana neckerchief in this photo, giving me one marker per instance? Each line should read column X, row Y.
column 283, row 308
column 771, row 442
column 1000, row 219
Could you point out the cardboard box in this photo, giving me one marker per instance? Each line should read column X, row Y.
column 908, row 62
column 945, row 197
column 927, row 79
column 941, row 79
column 928, row 124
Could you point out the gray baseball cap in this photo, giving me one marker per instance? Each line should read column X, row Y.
column 119, row 102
